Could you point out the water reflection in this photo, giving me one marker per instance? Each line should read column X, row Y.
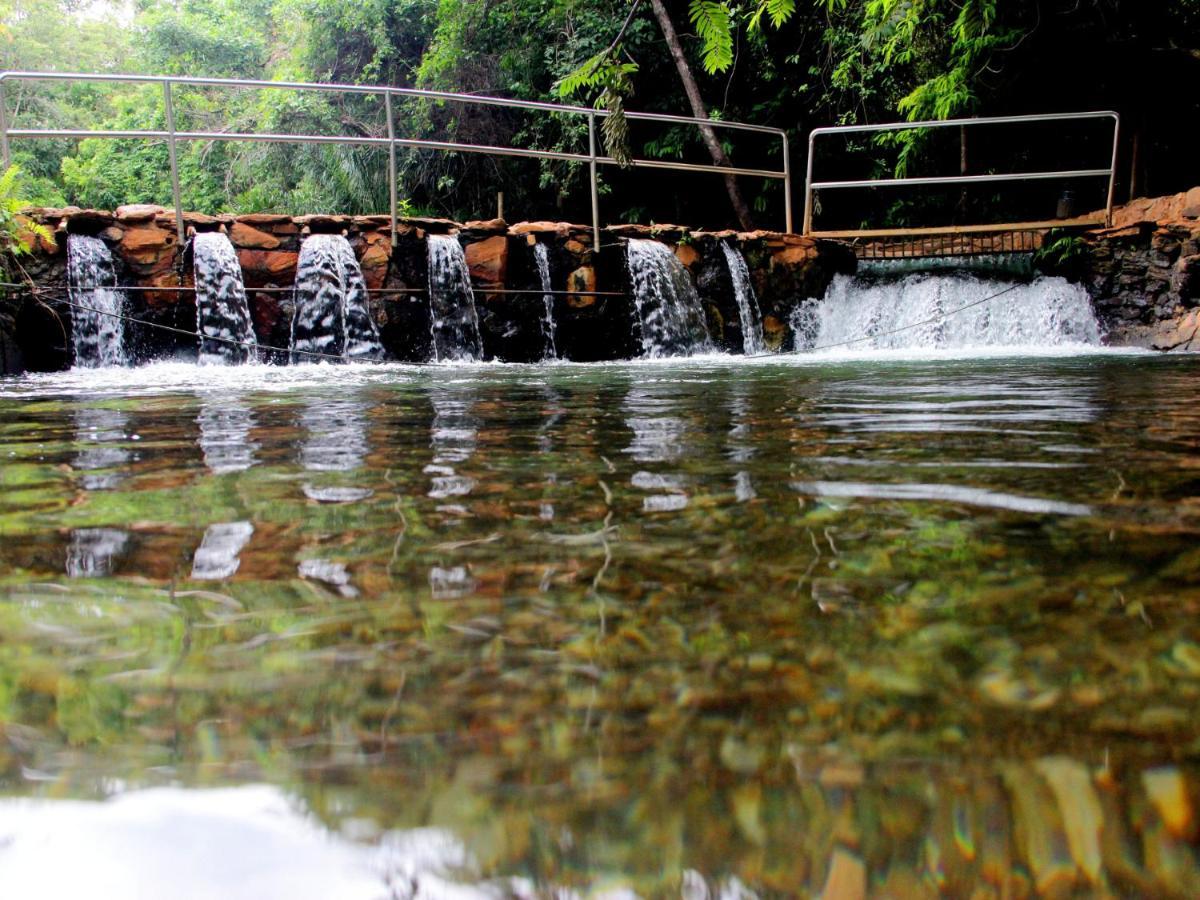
column 453, row 435
column 657, row 438
column 739, row 443
column 336, row 442
column 101, row 432
column 920, row 662
column 334, row 574
column 93, row 551
column 225, row 425
column 219, row 554
column 553, row 413
column 249, row 842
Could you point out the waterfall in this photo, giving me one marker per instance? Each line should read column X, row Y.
column 668, row 307
column 455, row 323
column 542, row 256
column 221, row 308
column 1045, row 312
column 97, row 336
column 332, row 316
column 743, row 292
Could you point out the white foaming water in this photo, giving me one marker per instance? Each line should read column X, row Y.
column 332, row 316
column 97, row 334
column 454, row 323
column 926, row 312
column 743, row 292
column 222, row 313
column 542, row 258
column 668, row 307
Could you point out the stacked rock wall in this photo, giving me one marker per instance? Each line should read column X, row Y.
column 593, row 309
column 1144, row 279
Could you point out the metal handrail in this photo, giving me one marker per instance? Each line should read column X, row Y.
column 172, row 136
column 811, row 186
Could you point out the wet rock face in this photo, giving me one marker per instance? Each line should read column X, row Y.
column 1144, row 280
column 589, row 298
column 11, row 361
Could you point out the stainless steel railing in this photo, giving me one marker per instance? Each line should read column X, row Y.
column 172, row 136
column 811, row 186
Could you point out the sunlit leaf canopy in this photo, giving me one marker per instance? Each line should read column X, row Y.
column 795, row 65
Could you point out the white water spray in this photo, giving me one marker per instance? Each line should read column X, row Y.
column 668, row 307
column 97, row 331
column 332, row 316
column 925, row 312
column 542, row 257
column 454, row 321
column 222, row 312
column 743, row 292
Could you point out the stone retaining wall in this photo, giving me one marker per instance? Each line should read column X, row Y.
column 1144, row 279
column 594, row 313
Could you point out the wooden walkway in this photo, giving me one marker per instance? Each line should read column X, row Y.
column 954, row 240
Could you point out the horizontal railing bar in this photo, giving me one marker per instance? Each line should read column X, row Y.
column 954, row 123
column 484, row 99
column 960, row 179
column 869, row 234
column 189, row 289
column 415, row 143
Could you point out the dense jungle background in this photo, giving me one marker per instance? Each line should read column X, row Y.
column 775, row 62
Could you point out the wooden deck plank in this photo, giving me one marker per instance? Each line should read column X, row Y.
column 1078, row 222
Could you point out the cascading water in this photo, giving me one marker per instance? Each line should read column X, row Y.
column 542, row 257
column 454, row 320
column 743, row 291
column 332, row 316
column 222, row 313
column 97, row 334
column 918, row 312
column 669, row 311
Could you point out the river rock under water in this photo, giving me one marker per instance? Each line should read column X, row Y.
column 833, row 625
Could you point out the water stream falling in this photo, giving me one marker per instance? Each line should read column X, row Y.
column 542, row 257
column 1044, row 312
column 454, row 320
column 668, row 307
column 743, row 291
column 222, row 313
column 332, row 316
column 97, row 334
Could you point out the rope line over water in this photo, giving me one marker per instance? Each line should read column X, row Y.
column 942, row 316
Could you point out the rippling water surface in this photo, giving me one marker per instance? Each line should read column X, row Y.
column 705, row 628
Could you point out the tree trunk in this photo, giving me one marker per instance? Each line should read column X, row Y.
column 740, row 209
column 1135, row 158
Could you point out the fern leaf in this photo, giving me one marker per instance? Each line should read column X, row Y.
column 780, row 11
column 589, row 75
column 714, row 25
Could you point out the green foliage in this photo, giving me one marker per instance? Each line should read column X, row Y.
column 778, row 11
column 770, row 61
column 1061, row 252
column 714, row 24
column 13, row 226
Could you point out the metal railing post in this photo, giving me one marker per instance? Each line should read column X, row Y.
column 1112, row 175
column 170, row 111
column 391, row 132
column 787, row 185
column 592, row 179
column 808, row 191
column 4, row 127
